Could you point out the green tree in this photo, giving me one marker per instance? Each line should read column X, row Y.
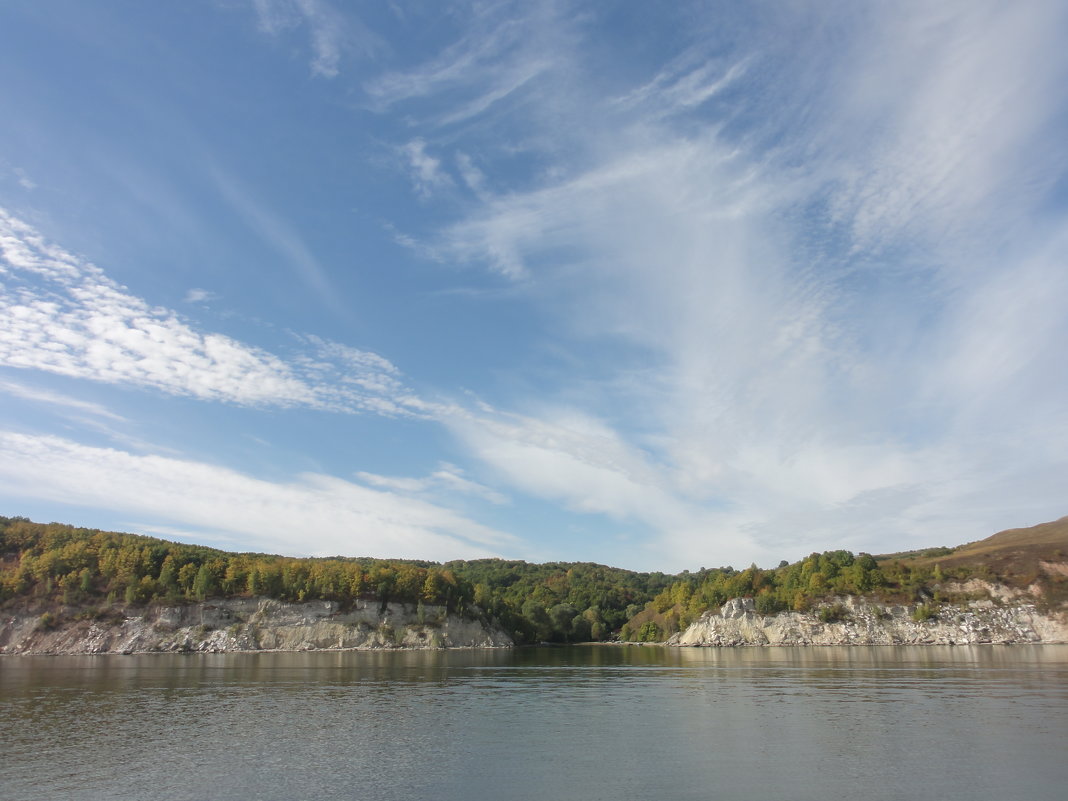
column 203, row 584
column 535, row 613
column 562, row 616
column 650, row 632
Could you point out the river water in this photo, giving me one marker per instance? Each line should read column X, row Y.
column 596, row 722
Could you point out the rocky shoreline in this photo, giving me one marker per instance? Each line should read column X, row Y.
column 856, row 621
column 242, row 625
column 260, row 624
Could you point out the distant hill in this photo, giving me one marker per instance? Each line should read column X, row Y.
column 1017, row 556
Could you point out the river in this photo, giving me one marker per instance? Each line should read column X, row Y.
column 588, row 722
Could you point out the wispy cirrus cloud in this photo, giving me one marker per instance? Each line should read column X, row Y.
column 806, row 276
column 198, row 295
column 82, row 414
column 326, row 515
column 271, row 228
column 689, row 80
column 448, row 478
column 426, row 172
column 843, row 318
column 331, row 33
column 762, row 501
column 575, row 459
column 24, row 179
column 502, row 53
column 38, row 395
column 62, row 314
column 473, row 177
column 940, row 145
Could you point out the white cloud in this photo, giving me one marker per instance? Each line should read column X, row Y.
column 940, row 116
column 689, row 80
column 427, row 175
column 448, row 478
column 640, row 193
column 570, row 458
column 75, row 321
column 82, row 415
column 38, row 395
column 24, row 180
column 197, row 295
column 274, row 16
column 452, row 478
column 782, row 394
column 331, row 33
column 349, row 379
column 313, row 514
column 823, row 261
column 326, row 38
column 500, row 54
column 473, row 177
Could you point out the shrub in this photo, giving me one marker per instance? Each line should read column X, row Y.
column 769, row 605
column 388, row 633
column 650, row 632
column 925, row 612
column 834, row 613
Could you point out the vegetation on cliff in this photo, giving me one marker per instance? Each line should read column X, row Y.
column 1019, row 558
column 795, row 586
column 85, row 566
column 55, row 566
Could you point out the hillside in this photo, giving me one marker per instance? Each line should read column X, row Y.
column 1018, row 555
column 64, row 575
column 1011, row 587
column 1031, row 562
column 68, row 572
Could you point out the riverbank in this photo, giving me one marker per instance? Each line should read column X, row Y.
column 259, row 624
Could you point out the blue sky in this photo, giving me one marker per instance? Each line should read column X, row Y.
column 655, row 285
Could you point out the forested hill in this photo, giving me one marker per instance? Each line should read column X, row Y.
column 60, row 565
column 1032, row 559
column 55, row 566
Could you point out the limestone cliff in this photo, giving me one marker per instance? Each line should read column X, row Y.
column 861, row 622
column 245, row 624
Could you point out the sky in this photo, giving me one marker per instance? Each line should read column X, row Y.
column 657, row 285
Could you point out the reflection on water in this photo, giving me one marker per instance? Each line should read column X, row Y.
column 584, row 722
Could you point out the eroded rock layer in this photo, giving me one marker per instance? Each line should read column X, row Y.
column 859, row 622
column 247, row 624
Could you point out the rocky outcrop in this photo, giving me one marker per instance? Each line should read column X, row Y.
column 245, row 624
column 855, row 621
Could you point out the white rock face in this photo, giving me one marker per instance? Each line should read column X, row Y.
column 867, row 623
column 251, row 624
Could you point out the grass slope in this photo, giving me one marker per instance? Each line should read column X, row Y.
column 1016, row 555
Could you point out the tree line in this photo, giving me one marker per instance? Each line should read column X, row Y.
column 554, row 602
column 797, row 587
column 81, row 567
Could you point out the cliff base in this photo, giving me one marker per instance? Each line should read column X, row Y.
column 855, row 621
column 243, row 624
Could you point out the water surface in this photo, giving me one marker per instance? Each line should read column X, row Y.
column 545, row 723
